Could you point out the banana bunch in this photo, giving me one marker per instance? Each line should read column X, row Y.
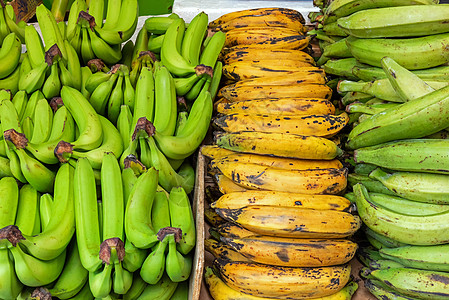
column 92, row 38
column 9, row 24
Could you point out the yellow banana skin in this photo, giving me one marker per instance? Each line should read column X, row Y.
column 266, row 54
column 258, row 35
column 293, row 221
column 318, row 91
column 237, row 200
column 316, row 125
column 283, row 282
column 326, row 181
column 222, row 251
column 290, row 252
column 294, row 22
column 279, row 144
column 226, row 185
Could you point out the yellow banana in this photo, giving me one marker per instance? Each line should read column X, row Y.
column 260, row 35
column 238, row 200
column 242, row 70
column 211, row 217
column 278, row 107
column 220, row 250
column 255, row 176
column 232, row 230
column 291, row 252
column 226, row 185
column 306, row 90
column 279, row 144
column 270, row 21
column 316, row 125
column 267, row 54
column 272, row 11
column 283, row 282
column 293, row 222
column 213, row 152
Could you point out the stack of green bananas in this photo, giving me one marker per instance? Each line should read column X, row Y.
column 95, row 155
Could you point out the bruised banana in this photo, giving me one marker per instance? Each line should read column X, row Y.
column 316, row 125
column 257, row 35
column 226, row 185
column 293, row 222
column 267, row 54
column 231, row 230
column 220, row 250
column 279, row 144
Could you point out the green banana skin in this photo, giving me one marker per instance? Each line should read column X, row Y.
column 73, row 277
column 338, row 49
column 384, row 264
column 411, row 53
column 412, row 155
column 413, row 230
column 100, row 281
column 138, row 226
column 410, row 120
column 124, row 123
column 165, row 102
column 422, row 284
column 115, row 100
column 5, row 170
column 369, row 73
column 342, row 67
column 384, row 240
column 344, row 8
column 85, row 73
column 52, row 84
column 28, row 218
column 158, row 25
column 367, row 255
column 43, row 119
column 11, row 285
column 181, row 292
column 433, row 258
column 404, row 21
column 45, row 210
column 140, row 46
column 374, row 243
column 333, row 29
column 12, row 81
column 95, row 79
column 84, row 294
column 10, row 54
column 121, row 279
column 370, row 109
column 136, row 288
column 160, row 213
column 155, row 43
column 134, row 257
column 128, row 92
column 34, row 45
column 179, row 205
column 162, row 290
column 9, row 201
column 352, row 97
column 34, row 79
column 423, row 187
column 383, row 291
column 51, row 242
column 154, row 265
column 193, row 38
column 407, row 207
column 100, row 96
column 177, row 266
column 144, row 96
column 127, row 54
column 109, row 54
column 216, row 78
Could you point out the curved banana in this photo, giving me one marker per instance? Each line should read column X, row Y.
column 222, row 251
column 193, row 37
column 11, row 285
column 115, row 100
column 50, row 30
column 177, row 266
column 100, row 281
column 267, row 54
column 162, row 290
column 110, row 54
column 154, row 265
column 28, row 217
column 42, row 121
column 34, row 79
column 9, row 54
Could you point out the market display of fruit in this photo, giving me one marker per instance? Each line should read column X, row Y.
column 96, row 152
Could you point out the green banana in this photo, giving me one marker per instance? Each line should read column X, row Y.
column 5, row 170
column 128, row 92
column 165, row 102
column 74, row 11
column 414, row 230
column 52, row 84
column 100, row 281
column 95, row 79
column 124, row 122
column 181, row 292
column 115, row 100
column 177, row 266
column 85, row 73
column 216, row 79
column 158, row 24
column 140, row 45
column 45, row 210
column 162, row 290
column 12, row 81
column 155, row 43
column 110, row 54
column 121, row 280
column 384, row 264
column 85, row 47
column 342, row 67
column 384, row 240
column 193, row 38
column 34, row 79
column 410, row 120
column 50, row 30
column 369, row 109
column 9, row 54
column 43, row 120
column 9, row 201
column 369, row 73
column 84, row 294
column 10, row 286
column 100, row 96
column 144, row 96
column 382, row 291
column 73, row 66
column 160, row 213
column 127, row 54
column 28, row 217
column 423, row 187
column 134, row 257
column 154, row 265
column 136, row 289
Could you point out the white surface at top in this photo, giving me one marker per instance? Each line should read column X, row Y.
column 187, row 9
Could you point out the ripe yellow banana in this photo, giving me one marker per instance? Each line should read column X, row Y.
column 234, row 231
column 293, row 222
column 259, row 35
column 211, row 217
column 283, row 282
column 242, row 70
column 266, row 54
column 255, row 176
column 238, row 200
column 293, row 252
column 316, row 125
column 279, row 144
column 278, row 107
column 220, row 250
column 270, row 161
column 226, row 185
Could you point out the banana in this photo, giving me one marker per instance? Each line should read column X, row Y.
column 124, row 121
column 86, row 51
column 368, row 73
column 181, row 292
column 144, row 96
column 283, row 282
column 160, row 213
column 413, row 117
column 100, row 281
column 237, row 200
column 409, row 21
column 332, row 29
column 413, row 282
column 279, row 106
column 260, row 35
column 177, row 266
column 100, row 96
column 110, row 54
column 4, row 29
column 9, row 54
column 344, row 8
column 154, row 265
column 136, row 288
column 112, row 14
column 381, row 290
column 138, row 226
column 162, row 290
column 158, row 24
column 27, row 215
column 43, row 119
column 50, row 30
column 87, row 223
column 179, row 205
column 12, row 81
column 194, row 132
column 420, row 257
column 73, row 277
column 428, row 46
column 52, row 84
column 381, row 240
column 77, row 40
column 11, row 285
column 134, row 257
column 400, row 227
column 115, row 100
column 95, row 79
column 85, row 74
column 212, row 218
column 423, row 187
column 141, row 45
column 369, row 109
column 267, row 54
column 268, row 68
column 279, row 144
column 20, row 101
column 128, row 92
column 231, row 230
column 284, row 221
column 86, row 119
column 193, row 37
column 294, row 22
column 127, row 54
column 165, row 102
column 9, row 202
column 10, row 18
column 34, row 79
column 226, row 185
column 279, row 251
column 84, row 294
column 5, row 170
column 73, row 66
column 74, row 11
column 202, row 84
column 121, row 280
column 371, row 185
column 222, row 251
column 317, row 125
